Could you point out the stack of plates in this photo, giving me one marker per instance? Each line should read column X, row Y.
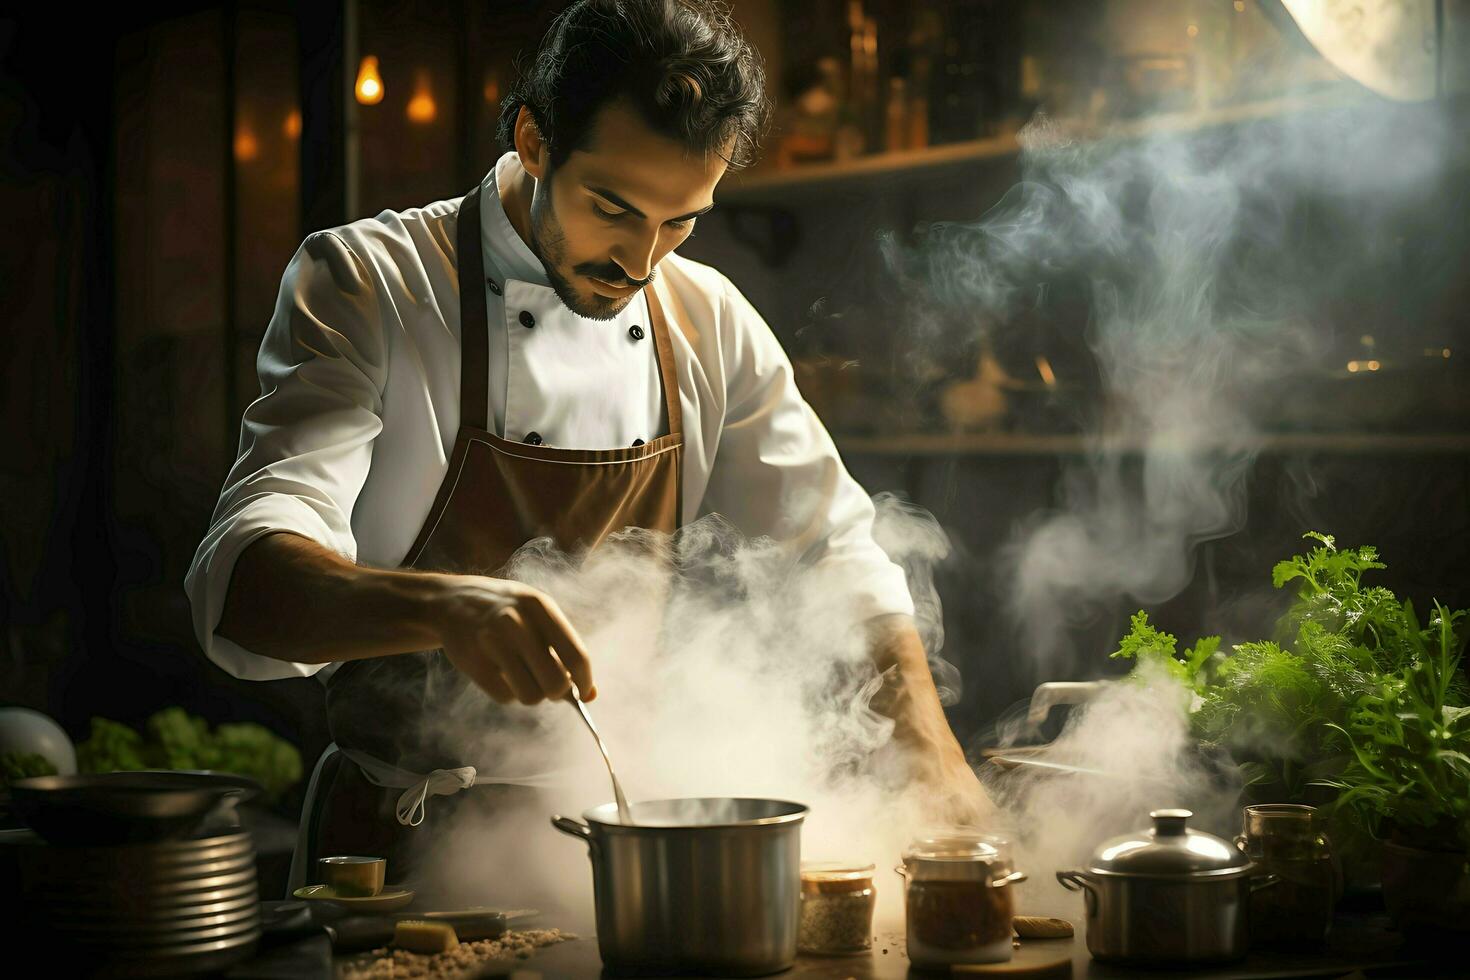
column 158, row 909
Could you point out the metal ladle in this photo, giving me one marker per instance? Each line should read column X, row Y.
column 625, row 814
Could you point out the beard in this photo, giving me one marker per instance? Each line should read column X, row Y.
column 549, row 242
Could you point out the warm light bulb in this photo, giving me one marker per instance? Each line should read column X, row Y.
column 369, row 86
column 421, row 108
column 1352, row 367
column 1374, row 365
column 293, row 125
column 246, row 146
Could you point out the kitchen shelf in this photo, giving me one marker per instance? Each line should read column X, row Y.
column 1018, row 444
column 760, row 184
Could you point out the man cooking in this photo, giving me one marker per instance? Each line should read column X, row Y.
column 444, row 384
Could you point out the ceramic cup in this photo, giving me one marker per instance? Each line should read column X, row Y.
column 353, row 876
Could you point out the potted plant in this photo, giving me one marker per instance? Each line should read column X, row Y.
column 1409, row 777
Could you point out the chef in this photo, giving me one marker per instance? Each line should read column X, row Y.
column 444, row 384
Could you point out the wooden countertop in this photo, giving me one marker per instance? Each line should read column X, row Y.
column 1358, row 942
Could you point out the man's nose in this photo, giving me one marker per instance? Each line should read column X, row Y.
column 634, row 255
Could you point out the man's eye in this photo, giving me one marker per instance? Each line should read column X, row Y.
column 607, row 214
column 681, row 225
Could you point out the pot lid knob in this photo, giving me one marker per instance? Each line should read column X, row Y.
column 1169, row 823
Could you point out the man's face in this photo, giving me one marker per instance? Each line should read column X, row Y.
column 603, row 219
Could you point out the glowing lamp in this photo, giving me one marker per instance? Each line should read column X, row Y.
column 369, row 87
column 421, row 108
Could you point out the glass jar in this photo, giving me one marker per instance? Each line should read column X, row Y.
column 957, row 900
column 837, row 902
column 1285, row 840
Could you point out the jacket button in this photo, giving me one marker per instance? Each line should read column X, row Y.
column 636, row 332
column 494, row 286
column 637, row 442
column 527, row 320
column 533, row 438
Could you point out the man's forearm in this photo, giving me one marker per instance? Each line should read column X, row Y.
column 293, row 599
column 910, row 698
column 912, row 701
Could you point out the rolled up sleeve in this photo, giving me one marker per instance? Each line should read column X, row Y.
column 305, row 443
column 777, row 472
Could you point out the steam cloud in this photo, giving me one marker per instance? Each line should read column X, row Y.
column 721, row 671
column 1201, row 304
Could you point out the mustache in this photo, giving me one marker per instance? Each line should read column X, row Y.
column 611, row 274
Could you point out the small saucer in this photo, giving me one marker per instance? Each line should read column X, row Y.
column 384, row 901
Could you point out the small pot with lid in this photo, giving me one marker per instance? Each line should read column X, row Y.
column 1168, row 895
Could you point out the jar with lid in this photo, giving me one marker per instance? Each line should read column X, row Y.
column 958, row 903
column 1286, row 840
column 837, row 902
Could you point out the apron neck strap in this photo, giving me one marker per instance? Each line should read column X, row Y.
column 474, row 323
column 664, row 349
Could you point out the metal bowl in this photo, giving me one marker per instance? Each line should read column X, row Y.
column 128, row 807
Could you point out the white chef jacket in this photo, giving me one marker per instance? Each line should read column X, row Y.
column 359, row 407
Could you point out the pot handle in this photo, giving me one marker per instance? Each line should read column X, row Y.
column 573, row 828
column 1014, row 877
column 1264, row 881
column 1075, row 881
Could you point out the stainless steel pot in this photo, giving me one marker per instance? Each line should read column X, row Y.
column 706, row 885
column 1169, row 895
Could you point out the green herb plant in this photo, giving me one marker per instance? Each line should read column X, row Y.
column 1410, row 743
column 1327, row 705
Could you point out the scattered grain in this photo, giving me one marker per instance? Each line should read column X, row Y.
column 462, row 961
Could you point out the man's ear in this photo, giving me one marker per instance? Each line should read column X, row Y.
column 534, row 153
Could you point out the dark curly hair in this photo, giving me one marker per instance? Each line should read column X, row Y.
column 683, row 64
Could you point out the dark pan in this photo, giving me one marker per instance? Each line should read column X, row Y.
column 79, row 913
column 137, row 942
column 127, row 807
column 155, row 904
column 151, row 891
column 159, row 854
column 126, row 933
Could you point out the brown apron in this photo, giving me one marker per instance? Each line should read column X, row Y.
column 496, row 496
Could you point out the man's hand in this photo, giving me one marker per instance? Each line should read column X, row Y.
column 937, row 763
column 952, row 793
column 510, row 639
column 293, row 599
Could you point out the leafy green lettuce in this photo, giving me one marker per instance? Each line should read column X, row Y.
column 176, row 739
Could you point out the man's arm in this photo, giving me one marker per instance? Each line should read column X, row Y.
column 292, row 599
column 777, row 472
column 274, row 586
column 910, row 699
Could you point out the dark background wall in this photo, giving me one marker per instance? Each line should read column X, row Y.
column 158, row 168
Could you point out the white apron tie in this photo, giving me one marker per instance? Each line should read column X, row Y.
column 417, row 788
